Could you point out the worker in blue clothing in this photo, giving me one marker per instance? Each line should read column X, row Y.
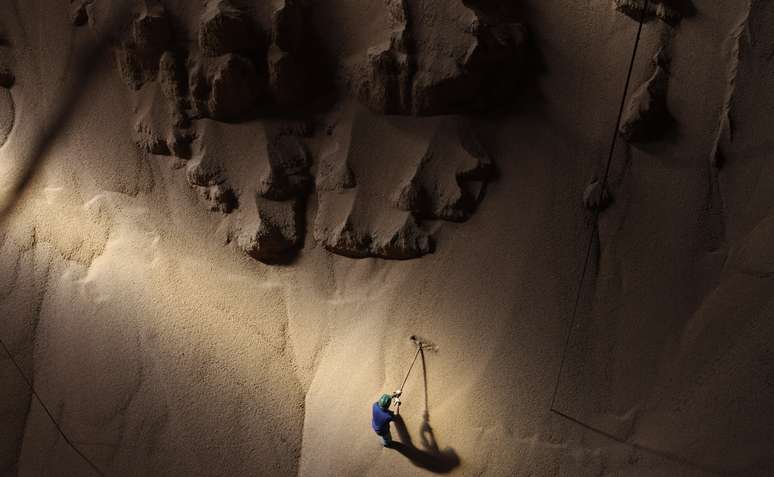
column 382, row 416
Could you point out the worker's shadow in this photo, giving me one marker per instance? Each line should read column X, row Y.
column 430, row 457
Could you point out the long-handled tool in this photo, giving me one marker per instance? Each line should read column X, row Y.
column 422, row 345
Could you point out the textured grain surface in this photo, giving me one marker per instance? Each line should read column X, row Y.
column 217, row 263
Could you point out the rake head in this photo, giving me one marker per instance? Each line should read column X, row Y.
column 423, row 344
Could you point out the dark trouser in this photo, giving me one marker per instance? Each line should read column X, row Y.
column 386, row 438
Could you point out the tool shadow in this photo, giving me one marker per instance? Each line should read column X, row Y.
column 430, row 456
